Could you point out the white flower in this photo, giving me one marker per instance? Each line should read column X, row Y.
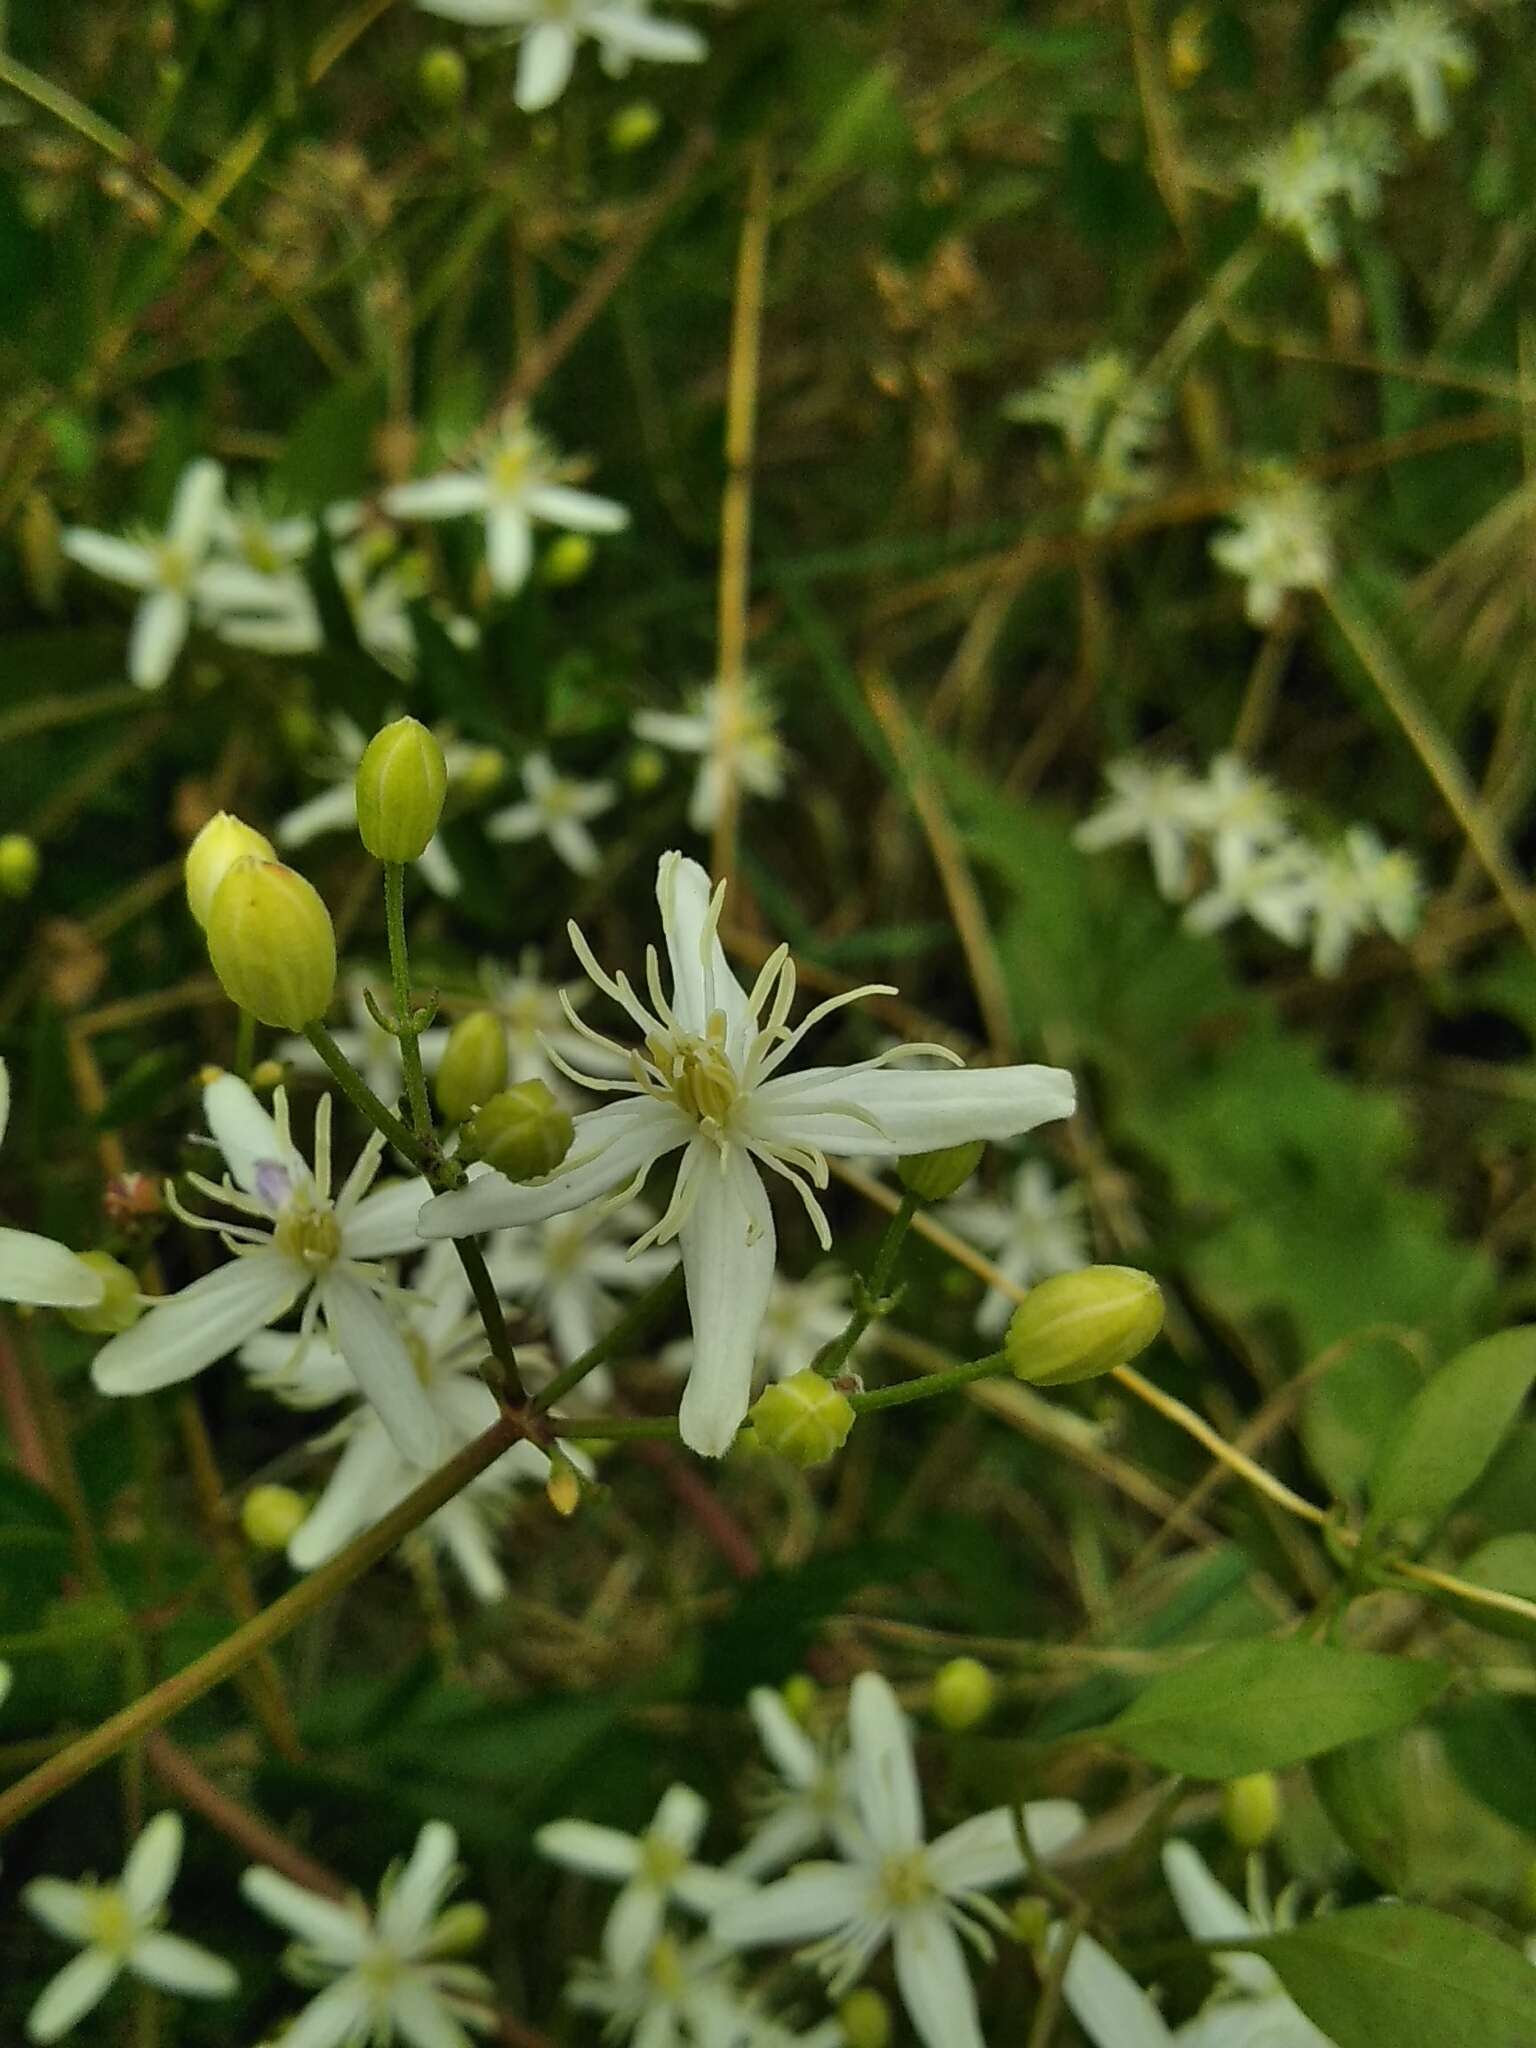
column 1037, row 1231
column 551, row 31
column 164, row 568
column 1274, row 887
column 1326, row 159
column 120, row 1927
column 652, row 1870
column 708, row 1084
column 735, row 733
column 296, row 1244
column 570, row 1269
column 685, row 1995
column 893, row 1886
column 1412, row 44
column 374, row 1051
column 33, row 1269
column 1277, row 542
column 1109, row 420
column 801, row 1316
column 1390, row 883
column 1154, row 801
column 386, row 1975
column 1340, row 909
column 557, row 809
column 1241, row 813
column 813, row 1802
column 518, row 479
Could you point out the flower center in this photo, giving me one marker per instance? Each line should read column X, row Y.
column 660, row 1861
column 173, row 566
column 559, row 800
column 904, row 1880
column 511, row 466
column 664, row 1967
column 698, row 1072
column 381, row 1971
column 312, row 1236
column 110, row 1923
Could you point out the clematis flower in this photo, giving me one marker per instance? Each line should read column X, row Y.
column 387, row 1975
column 1240, row 812
column 686, row 1995
column 35, row 1270
column 653, row 1871
column 1038, row 1230
column 735, row 734
column 295, row 1243
column 1390, row 883
column 120, row 1927
column 1277, row 542
column 1152, row 801
column 551, row 32
column 1413, row 44
column 1110, row 421
column 1273, row 887
column 893, row 1886
column 571, row 1269
column 813, row 1801
column 709, row 1084
column 165, row 569
column 557, row 809
column 517, row 480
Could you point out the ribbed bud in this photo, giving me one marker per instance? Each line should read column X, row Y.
column 271, row 1516
column 632, row 127
column 120, row 1305
column 523, row 1132
column 222, row 841
column 402, row 781
column 804, row 1419
column 935, row 1176
column 1077, row 1325
column 865, row 2018
column 964, row 1693
column 443, row 76
column 567, row 559
column 473, row 1067
column 1250, row 1809
column 20, row 862
column 272, row 944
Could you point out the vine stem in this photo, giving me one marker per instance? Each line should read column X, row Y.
column 400, row 975
column 929, row 1385
column 362, row 1097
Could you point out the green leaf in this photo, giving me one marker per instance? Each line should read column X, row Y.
column 1451, row 1430
column 1505, row 1564
column 1491, row 1745
column 1260, row 1706
column 329, row 449
column 1350, row 1411
column 1406, row 1977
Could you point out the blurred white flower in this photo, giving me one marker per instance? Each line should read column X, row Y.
column 735, row 734
column 551, row 32
column 165, row 569
column 1273, row 886
column 386, row 1976
column 557, row 809
column 1240, row 812
column 1412, row 44
column 35, row 1270
column 517, row 479
column 374, row 1051
column 685, row 1995
column 1278, row 542
column 1356, row 887
column 1110, row 422
column 571, row 1269
column 120, row 1927
column 1390, row 882
column 1037, row 1231
column 812, row 1802
column 1301, row 177
column 1151, row 801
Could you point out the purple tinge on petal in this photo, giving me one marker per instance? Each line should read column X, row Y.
column 274, row 1183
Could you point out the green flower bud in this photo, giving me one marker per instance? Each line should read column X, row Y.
column 271, row 1515
column 1250, row 1809
column 272, row 944
column 473, row 1067
column 402, row 780
column 865, row 2018
column 222, row 841
column 646, row 770
column 19, row 864
column 461, row 1928
column 935, row 1176
column 632, row 127
column 567, row 559
column 1077, row 1325
column 804, row 1418
column 120, row 1305
column 523, row 1132
column 1030, row 1920
column 442, row 76
column 801, row 1694
column 964, row 1693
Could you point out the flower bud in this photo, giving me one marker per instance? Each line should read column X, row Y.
column 271, row 1516
column 402, row 780
column 935, row 1176
column 1250, row 1809
column 120, row 1305
column 567, row 559
column 865, row 2018
column 964, row 1693
column 801, row 1695
column 272, row 944
column 804, row 1418
column 267, row 1075
column 458, row 1930
column 19, row 864
column 1076, row 1325
column 482, row 772
column 523, row 1132
column 473, row 1067
column 562, row 1489
column 442, row 76
column 222, row 841
column 1030, row 1919
column 632, row 127
column 645, row 770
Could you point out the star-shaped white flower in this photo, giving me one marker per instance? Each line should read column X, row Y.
column 709, row 1084
column 1037, row 1231
column 517, row 480
column 571, row 1269
column 653, row 1871
column 557, row 809
column 1239, row 811
column 36, row 1270
column 1412, row 44
column 735, row 733
column 1278, row 542
column 686, row 1995
column 551, row 32
column 1274, row 887
column 1390, row 883
column 120, row 1927
column 294, row 1242
column 1326, row 160
column 387, row 1975
column 812, row 1803
column 893, row 1886
column 165, row 569
column 1151, row 801
column 1110, row 421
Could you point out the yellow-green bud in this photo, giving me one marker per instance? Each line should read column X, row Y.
column 1030, row 1919
column 271, row 1516
column 1076, row 1325
column 646, row 770
column 804, row 1419
column 266, row 1075
column 402, row 780
column 523, row 1132
column 865, row 2018
column 562, row 1489
column 222, row 841
column 442, row 75
column 567, row 559
column 272, row 944
column 481, row 773
column 632, row 127
column 964, row 1693
column 19, row 864
column 1250, row 1809
column 119, row 1307
column 462, row 1928
column 935, row 1176
column 473, row 1067
column 801, row 1695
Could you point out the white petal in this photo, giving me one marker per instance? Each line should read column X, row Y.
column 384, row 1223
column 595, row 1851
column 64, row 1909
column 544, row 66
column 67, row 1998
column 462, row 1533
column 436, row 868
column 1050, row 1824
column 5, row 1100
column 152, row 1864
column 203, row 1322
column 784, row 1838
column 43, row 1274
column 633, row 1925
column 105, row 555
column 638, row 35
column 338, row 1933
column 704, row 1891
column 508, row 535
column 243, row 1131
column 794, row 1754
column 610, row 1147
column 449, row 496
column 728, row 1252
column 177, row 1965
column 574, row 844
column 196, row 505
column 885, row 1774
column 480, row 13
column 422, row 2019
column 916, row 1112
column 678, row 729
column 702, row 980
column 978, row 1854
column 333, row 810
column 680, row 1818
column 1211, row 1913
column 370, row 1478
column 1252, row 2023
column 934, row 1983
column 514, row 823
column 406, row 1916
column 367, row 1336
column 579, row 511
column 1109, row 2006
column 336, row 2019
column 814, row 1900
column 159, row 629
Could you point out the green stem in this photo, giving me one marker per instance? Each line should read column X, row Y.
column 833, row 1356
column 400, row 975
column 488, row 1302
column 635, row 1320
column 930, row 1384
column 361, row 1096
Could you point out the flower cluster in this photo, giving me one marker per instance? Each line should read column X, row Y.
column 1110, row 421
